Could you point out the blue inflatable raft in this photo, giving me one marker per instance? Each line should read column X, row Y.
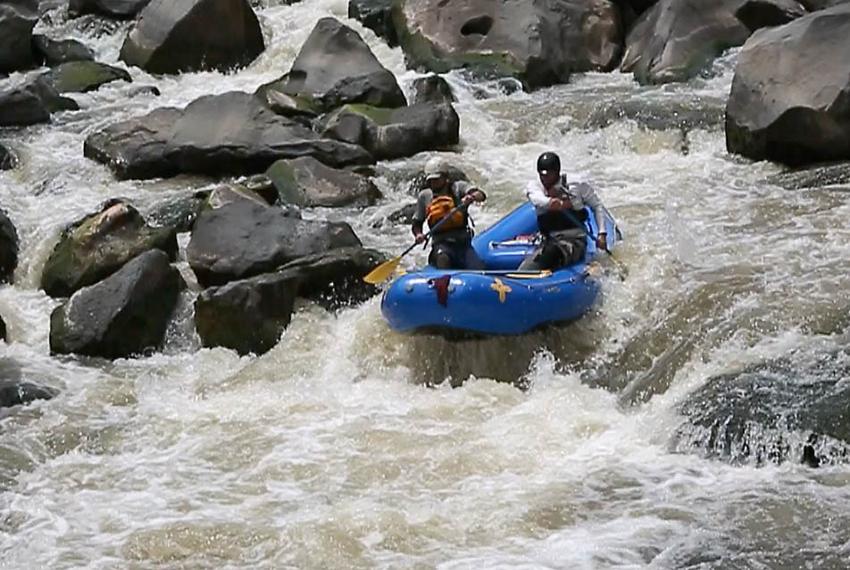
column 498, row 300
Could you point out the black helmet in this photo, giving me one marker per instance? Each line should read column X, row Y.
column 548, row 162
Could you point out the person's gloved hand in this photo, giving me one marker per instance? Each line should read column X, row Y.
column 602, row 241
column 420, row 238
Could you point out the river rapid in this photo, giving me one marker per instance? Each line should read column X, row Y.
column 349, row 446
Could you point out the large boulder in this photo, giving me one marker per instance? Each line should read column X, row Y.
column 233, row 133
column 375, row 15
column 55, row 52
column 17, row 19
column 100, row 244
column 83, row 76
column 676, row 39
column 395, row 133
column 249, row 315
column 173, row 36
column 307, row 182
column 32, row 102
column 790, row 92
column 757, row 14
column 8, row 248
column 784, row 410
column 243, row 239
column 124, row 315
column 335, row 67
column 119, row 9
column 538, row 41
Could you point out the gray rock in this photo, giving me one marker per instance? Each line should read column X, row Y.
column 249, row 315
column 8, row 248
column 306, row 182
column 335, row 67
column 124, row 315
column 676, row 39
column 173, row 36
column 756, row 14
column 813, row 177
column 83, row 76
column 8, row 160
column 99, row 244
column 31, row 103
column 120, row 9
column 243, row 239
column 784, row 410
column 656, row 115
column 17, row 19
column 395, row 133
column 55, row 52
column 432, row 89
column 375, row 15
column 790, row 92
column 537, row 41
column 233, row 133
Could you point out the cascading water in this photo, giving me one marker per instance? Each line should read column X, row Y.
column 330, row 452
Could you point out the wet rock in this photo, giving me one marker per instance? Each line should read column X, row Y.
column 17, row 19
column 179, row 212
column 757, row 14
column 790, row 91
column 2, row 329
column 375, row 15
column 432, row 89
column 232, row 133
column 83, row 76
column 814, row 5
column 300, row 109
column 785, row 410
column 335, row 67
column 659, row 115
column 32, row 103
column 120, row 9
column 492, row 37
column 193, row 35
column 230, row 193
column 126, row 314
column 401, row 217
column 306, row 182
column 244, row 239
column 100, row 244
column 249, row 315
column 813, row 177
column 395, row 133
column 22, row 393
column 676, row 39
column 8, row 248
column 8, row 160
column 55, row 52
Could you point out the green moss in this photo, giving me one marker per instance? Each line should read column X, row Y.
column 282, row 175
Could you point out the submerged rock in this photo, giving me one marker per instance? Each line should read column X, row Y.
column 121, row 9
column 173, row 36
column 31, row 103
column 99, row 245
column 815, row 176
column 785, row 410
column 375, row 15
column 8, row 248
column 432, row 89
column 124, row 315
column 8, row 160
column 83, row 76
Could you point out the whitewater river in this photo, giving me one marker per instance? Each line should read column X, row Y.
column 333, row 450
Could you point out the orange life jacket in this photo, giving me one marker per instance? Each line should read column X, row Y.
column 439, row 208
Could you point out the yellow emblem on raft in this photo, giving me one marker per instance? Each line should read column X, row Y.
column 501, row 289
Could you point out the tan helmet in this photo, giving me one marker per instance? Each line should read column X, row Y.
column 436, row 167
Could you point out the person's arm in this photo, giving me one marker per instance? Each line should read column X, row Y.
column 419, row 216
column 469, row 193
column 537, row 196
column 589, row 197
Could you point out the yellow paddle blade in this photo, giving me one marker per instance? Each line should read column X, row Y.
column 383, row 272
